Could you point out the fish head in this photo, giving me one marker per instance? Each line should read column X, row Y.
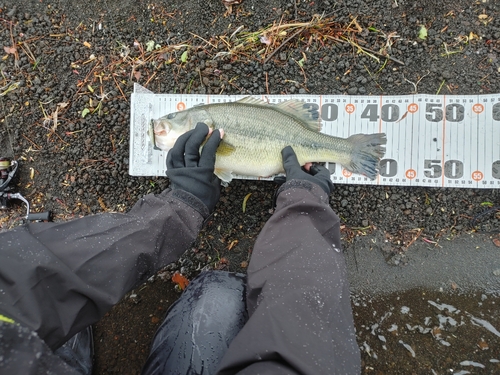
column 168, row 128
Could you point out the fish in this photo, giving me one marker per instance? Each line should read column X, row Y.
column 255, row 132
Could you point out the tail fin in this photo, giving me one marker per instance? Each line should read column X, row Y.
column 367, row 150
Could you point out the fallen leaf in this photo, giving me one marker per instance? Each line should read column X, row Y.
column 232, row 244
column 102, row 204
column 184, row 56
column 245, row 200
column 85, row 112
column 436, row 333
column 150, row 46
column 137, row 75
column 265, row 40
column 180, row 280
column 496, row 241
column 10, row 50
column 87, row 44
column 473, row 36
column 483, row 345
column 482, row 16
column 422, row 34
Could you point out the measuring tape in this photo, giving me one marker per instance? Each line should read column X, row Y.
column 432, row 140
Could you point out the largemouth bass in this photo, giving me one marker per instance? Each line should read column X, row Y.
column 255, row 133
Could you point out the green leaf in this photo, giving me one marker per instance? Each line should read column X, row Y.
column 487, row 204
column 150, row 45
column 422, row 34
column 184, row 56
column 85, row 112
column 245, row 200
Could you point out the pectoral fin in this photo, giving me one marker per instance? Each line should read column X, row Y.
column 225, row 148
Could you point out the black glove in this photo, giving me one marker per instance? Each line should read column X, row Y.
column 192, row 172
column 318, row 174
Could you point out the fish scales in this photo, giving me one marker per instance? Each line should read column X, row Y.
column 255, row 133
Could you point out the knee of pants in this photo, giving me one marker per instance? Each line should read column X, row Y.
column 200, row 325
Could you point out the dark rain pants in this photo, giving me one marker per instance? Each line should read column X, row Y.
column 56, row 279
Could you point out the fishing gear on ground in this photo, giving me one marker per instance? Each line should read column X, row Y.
column 8, row 169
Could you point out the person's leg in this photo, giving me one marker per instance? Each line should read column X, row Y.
column 199, row 326
column 78, row 351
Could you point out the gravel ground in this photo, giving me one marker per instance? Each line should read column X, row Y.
column 67, row 72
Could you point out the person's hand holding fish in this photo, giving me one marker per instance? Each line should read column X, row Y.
column 317, row 174
column 192, row 171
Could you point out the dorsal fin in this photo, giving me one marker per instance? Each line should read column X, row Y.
column 296, row 108
column 252, row 100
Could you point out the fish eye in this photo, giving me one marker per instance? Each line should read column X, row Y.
column 171, row 115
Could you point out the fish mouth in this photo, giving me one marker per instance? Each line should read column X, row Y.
column 160, row 133
column 152, row 135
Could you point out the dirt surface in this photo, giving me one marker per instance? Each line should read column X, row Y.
column 68, row 70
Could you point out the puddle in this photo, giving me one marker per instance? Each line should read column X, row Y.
column 438, row 314
column 428, row 332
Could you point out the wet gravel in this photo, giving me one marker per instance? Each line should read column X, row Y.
column 68, row 70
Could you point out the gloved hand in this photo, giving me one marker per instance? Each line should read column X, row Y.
column 317, row 174
column 192, row 172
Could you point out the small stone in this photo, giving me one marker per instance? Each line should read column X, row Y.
column 447, row 74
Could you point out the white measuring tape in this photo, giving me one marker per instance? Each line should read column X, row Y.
column 432, row 140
